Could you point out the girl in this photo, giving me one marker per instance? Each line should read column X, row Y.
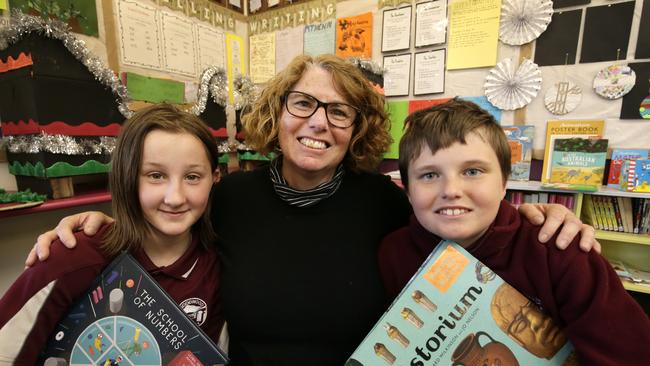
column 163, row 170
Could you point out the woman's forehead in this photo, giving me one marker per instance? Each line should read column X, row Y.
column 321, row 84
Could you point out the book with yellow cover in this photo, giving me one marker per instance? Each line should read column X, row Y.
column 567, row 129
column 590, row 212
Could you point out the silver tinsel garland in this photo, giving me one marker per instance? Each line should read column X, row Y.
column 225, row 147
column 213, row 81
column 60, row 144
column 245, row 92
column 22, row 24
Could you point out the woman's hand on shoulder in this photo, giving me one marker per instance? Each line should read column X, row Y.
column 89, row 222
column 554, row 216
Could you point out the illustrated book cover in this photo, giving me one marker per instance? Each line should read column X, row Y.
column 455, row 310
column 126, row 318
column 567, row 129
column 616, row 162
column 520, row 139
column 641, row 178
column 578, row 162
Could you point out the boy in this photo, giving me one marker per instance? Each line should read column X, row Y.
column 455, row 161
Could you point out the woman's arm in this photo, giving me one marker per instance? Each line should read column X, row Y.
column 553, row 216
column 556, row 216
column 89, row 222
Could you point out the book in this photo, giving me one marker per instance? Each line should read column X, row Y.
column 520, row 139
column 617, row 213
column 455, row 308
column 629, row 273
column 618, row 155
column 641, row 176
column 620, row 268
column 578, row 161
column 609, row 212
column 626, row 213
column 639, row 207
column 644, row 224
column 626, row 179
column 601, row 213
column 125, row 316
column 567, row 129
column 543, row 197
column 590, row 213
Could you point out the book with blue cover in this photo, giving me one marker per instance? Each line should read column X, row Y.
column 641, row 177
column 616, row 163
column 520, row 140
column 126, row 318
column 455, row 310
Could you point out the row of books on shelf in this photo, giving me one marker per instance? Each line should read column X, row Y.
column 629, row 273
column 575, row 157
column 622, row 214
column 519, row 197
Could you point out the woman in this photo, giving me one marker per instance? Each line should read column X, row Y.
column 298, row 239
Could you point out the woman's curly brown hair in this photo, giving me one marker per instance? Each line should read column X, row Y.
column 370, row 138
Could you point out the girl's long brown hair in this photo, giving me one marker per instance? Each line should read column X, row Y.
column 130, row 228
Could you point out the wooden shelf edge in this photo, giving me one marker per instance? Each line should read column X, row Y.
column 636, row 287
column 533, row 185
column 630, row 238
column 56, row 204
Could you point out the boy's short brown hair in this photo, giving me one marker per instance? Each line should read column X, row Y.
column 443, row 125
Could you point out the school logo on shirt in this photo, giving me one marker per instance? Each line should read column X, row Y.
column 196, row 309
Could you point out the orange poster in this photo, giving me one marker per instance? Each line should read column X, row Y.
column 354, row 36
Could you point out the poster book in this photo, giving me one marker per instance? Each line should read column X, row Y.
column 578, row 161
column 520, row 140
column 616, row 162
column 567, row 129
column 127, row 318
column 454, row 310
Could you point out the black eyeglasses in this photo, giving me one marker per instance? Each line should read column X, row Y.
column 303, row 105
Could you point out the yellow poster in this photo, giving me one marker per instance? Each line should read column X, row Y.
column 473, row 33
column 354, row 36
column 3, row 4
column 262, row 57
column 235, row 56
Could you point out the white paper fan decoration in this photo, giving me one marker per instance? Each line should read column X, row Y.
column 524, row 20
column 509, row 87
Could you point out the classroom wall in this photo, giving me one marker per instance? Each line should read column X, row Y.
column 18, row 235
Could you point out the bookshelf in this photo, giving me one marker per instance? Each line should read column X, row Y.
column 633, row 249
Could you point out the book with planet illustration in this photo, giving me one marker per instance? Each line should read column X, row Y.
column 126, row 318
